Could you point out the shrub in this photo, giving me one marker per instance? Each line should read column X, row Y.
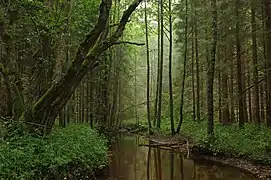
column 71, row 151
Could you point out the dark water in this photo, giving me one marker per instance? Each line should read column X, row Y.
column 132, row 162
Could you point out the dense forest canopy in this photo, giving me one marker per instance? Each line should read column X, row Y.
column 197, row 70
column 181, row 60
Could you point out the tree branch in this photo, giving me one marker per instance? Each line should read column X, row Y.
column 124, row 20
column 128, row 42
column 94, row 34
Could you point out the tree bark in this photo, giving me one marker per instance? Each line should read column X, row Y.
column 184, row 68
column 161, row 66
column 158, row 66
column 171, row 105
column 210, row 71
column 148, row 68
column 45, row 110
column 225, row 97
column 239, row 67
column 197, row 70
column 256, row 107
column 267, row 7
column 193, row 75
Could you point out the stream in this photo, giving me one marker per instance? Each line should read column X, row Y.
column 129, row 161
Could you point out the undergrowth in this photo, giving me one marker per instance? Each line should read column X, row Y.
column 75, row 151
column 251, row 142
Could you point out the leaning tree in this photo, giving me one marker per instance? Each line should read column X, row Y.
column 42, row 113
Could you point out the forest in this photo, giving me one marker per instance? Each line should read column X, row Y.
column 190, row 79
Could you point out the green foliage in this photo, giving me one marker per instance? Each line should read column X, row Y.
column 72, row 151
column 252, row 142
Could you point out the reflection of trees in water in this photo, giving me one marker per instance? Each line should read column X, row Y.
column 171, row 167
column 131, row 162
column 148, row 163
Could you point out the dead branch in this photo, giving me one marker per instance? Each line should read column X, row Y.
column 131, row 43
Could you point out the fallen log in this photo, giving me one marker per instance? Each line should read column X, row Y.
column 159, row 144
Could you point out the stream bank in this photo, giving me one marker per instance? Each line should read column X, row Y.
column 131, row 159
column 191, row 141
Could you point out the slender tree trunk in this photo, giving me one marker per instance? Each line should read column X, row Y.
column 83, row 101
column 224, row 87
column 135, row 91
column 171, row 105
column 262, row 105
column 210, row 71
column 219, row 95
column 148, row 69
column 161, row 66
column 265, row 62
column 193, row 76
column 197, row 70
column 243, row 74
column 184, row 68
column 232, row 101
column 256, row 108
column 239, row 67
column 249, row 98
column 267, row 6
column 158, row 65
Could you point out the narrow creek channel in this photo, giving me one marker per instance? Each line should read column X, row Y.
column 129, row 161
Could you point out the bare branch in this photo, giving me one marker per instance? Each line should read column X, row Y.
column 131, row 43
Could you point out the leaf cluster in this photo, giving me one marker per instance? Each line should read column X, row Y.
column 76, row 151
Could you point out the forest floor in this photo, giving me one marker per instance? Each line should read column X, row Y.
column 257, row 164
column 74, row 152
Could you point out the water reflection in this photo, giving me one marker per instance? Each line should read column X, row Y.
column 132, row 162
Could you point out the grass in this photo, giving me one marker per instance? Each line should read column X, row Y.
column 68, row 152
column 251, row 142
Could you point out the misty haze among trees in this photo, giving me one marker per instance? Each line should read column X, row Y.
column 165, row 63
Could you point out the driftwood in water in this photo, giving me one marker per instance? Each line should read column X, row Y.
column 160, row 145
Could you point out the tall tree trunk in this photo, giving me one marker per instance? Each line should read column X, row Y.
column 219, row 95
column 158, row 65
column 148, row 68
column 239, row 67
column 45, row 110
column 267, row 6
column 135, row 91
column 249, row 98
column 171, row 105
column 210, row 71
column 256, row 108
column 224, row 88
column 197, row 69
column 232, row 101
column 193, row 75
column 262, row 105
column 184, row 68
column 243, row 74
column 161, row 66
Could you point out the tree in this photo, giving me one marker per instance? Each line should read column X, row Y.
column 267, row 8
column 184, row 68
column 45, row 110
column 148, row 68
column 239, row 67
column 159, row 111
column 210, row 71
column 171, row 106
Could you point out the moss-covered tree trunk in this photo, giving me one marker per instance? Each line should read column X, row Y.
column 41, row 115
